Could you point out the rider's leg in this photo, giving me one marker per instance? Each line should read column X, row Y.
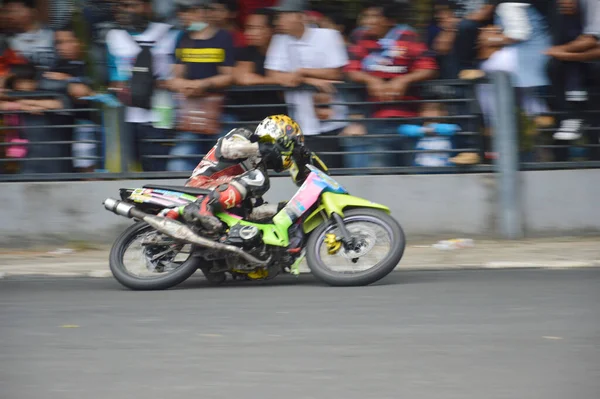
column 229, row 193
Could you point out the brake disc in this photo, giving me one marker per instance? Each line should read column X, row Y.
column 364, row 242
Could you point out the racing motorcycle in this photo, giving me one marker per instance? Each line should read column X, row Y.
column 346, row 240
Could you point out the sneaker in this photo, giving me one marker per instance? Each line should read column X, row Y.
column 569, row 130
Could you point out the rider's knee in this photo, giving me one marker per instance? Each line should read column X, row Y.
column 255, row 182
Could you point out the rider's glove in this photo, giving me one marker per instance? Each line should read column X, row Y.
column 271, row 155
column 301, row 154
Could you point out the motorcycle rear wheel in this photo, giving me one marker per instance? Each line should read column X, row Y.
column 162, row 281
column 315, row 256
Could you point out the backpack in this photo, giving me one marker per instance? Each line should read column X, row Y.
column 142, row 82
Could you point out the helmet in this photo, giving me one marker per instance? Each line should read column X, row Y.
column 283, row 131
column 279, row 129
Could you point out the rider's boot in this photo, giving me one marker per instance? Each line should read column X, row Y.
column 200, row 213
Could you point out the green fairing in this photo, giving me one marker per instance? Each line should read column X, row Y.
column 276, row 234
column 273, row 234
column 336, row 203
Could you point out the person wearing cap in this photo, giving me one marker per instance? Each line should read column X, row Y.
column 299, row 55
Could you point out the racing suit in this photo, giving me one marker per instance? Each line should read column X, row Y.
column 236, row 169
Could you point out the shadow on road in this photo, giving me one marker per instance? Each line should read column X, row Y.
column 304, row 280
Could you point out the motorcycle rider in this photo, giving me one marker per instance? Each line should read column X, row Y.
column 236, row 167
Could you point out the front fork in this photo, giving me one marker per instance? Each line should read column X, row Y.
column 347, row 239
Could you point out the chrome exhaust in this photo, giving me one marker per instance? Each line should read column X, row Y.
column 175, row 229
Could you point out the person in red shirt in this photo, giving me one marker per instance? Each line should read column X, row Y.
column 389, row 58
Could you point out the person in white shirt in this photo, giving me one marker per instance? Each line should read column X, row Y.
column 304, row 55
column 123, row 47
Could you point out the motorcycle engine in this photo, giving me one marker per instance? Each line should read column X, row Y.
column 246, row 237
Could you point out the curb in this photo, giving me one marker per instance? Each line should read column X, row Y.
column 101, row 270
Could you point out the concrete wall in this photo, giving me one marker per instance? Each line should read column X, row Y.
column 561, row 201
column 555, row 202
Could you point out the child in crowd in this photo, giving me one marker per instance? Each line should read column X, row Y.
column 436, row 136
column 18, row 79
column 36, row 126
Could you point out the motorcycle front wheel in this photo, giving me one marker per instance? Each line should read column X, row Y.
column 143, row 259
column 378, row 244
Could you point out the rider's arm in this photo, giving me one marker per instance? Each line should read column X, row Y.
column 302, row 157
column 237, row 146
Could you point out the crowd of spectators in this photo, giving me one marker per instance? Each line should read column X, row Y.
column 170, row 62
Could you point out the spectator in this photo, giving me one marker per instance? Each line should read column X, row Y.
column 576, row 31
column 454, row 33
column 165, row 11
column 99, row 18
column 185, row 14
column 223, row 15
column 519, row 38
column 40, row 155
column 432, row 135
column 204, row 63
column 31, row 40
column 313, row 56
column 335, row 19
column 446, row 16
column 69, row 76
column 125, row 46
column 247, row 7
column 250, row 71
column 389, row 59
column 473, row 15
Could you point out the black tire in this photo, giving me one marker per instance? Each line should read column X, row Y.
column 120, row 273
column 377, row 272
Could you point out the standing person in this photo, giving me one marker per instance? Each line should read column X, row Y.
column 247, row 7
column 31, row 40
column 575, row 27
column 389, row 58
column 517, row 43
column 136, row 63
column 204, row 59
column 224, row 16
column 99, row 18
column 69, row 77
column 312, row 56
column 250, row 70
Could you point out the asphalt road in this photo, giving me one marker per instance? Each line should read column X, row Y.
column 460, row 334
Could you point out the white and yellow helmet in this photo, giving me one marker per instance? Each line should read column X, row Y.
column 283, row 131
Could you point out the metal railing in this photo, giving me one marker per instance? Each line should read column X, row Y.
column 114, row 156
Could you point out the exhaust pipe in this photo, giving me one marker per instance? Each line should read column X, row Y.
column 175, row 229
